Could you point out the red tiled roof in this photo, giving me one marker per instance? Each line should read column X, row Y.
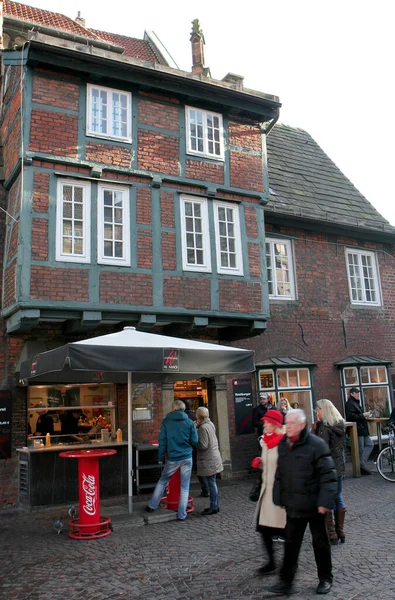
column 45, row 17
column 133, row 47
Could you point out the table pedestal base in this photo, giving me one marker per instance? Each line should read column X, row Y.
column 82, row 531
column 170, row 501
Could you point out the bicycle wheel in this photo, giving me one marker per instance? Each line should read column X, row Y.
column 386, row 464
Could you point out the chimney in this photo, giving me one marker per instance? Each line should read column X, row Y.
column 79, row 19
column 197, row 40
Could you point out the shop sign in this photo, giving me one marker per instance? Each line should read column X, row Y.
column 5, row 424
column 170, row 360
column 242, row 398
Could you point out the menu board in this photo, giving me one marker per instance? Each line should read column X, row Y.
column 5, row 424
column 242, row 397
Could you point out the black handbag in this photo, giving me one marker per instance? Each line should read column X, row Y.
column 255, row 492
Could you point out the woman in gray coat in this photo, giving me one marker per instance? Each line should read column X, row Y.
column 209, row 461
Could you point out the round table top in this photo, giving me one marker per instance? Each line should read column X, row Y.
column 85, row 453
column 377, row 419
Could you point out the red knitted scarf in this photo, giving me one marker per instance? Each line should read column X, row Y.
column 273, row 439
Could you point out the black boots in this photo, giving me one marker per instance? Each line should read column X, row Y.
column 340, row 514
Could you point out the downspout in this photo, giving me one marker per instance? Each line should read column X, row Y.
column 272, row 123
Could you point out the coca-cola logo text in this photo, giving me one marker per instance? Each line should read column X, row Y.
column 89, row 487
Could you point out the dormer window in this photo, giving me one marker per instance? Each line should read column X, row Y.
column 204, row 133
column 109, row 113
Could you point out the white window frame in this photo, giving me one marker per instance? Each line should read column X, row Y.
column 85, row 257
column 238, row 269
column 205, row 151
column 101, row 258
column 293, row 387
column 375, row 273
column 206, row 266
column 109, row 135
column 289, row 246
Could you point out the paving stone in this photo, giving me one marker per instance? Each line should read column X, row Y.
column 205, row 558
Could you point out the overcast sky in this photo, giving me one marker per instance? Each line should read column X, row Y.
column 330, row 62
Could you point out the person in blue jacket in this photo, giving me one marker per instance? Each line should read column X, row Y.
column 177, row 438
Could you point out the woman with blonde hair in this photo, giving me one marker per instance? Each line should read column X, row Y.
column 330, row 425
column 284, row 407
column 270, row 519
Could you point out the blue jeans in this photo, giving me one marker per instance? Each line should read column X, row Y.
column 339, row 502
column 169, row 469
column 365, row 446
column 211, row 483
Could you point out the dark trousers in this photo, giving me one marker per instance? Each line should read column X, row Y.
column 294, row 532
column 267, row 533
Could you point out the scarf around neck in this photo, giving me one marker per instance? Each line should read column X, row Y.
column 273, row 439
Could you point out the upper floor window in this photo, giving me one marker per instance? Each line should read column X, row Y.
column 363, row 278
column 113, row 225
column 204, row 133
column 280, row 269
column 227, row 238
column 109, row 113
column 73, row 221
column 195, row 235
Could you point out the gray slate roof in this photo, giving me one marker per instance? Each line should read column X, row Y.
column 305, row 182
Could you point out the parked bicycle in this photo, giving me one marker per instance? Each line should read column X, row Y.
column 385, row 462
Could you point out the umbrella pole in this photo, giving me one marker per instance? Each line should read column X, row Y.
column 130, row 443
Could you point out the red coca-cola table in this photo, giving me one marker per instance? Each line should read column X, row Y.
column 89, row 525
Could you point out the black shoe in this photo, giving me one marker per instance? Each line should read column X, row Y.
column 149, row 509
column 365, row 470
column 281, row 588
column 324, row 586
column 210, row 511
column 269, row 568
column 204, row 494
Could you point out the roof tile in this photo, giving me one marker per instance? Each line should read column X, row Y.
column 306, row 182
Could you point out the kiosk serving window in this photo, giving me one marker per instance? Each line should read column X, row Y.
column 89, row 404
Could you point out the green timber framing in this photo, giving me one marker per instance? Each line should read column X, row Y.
column 107, row 67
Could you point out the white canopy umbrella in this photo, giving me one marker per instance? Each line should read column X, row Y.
column 148, row 357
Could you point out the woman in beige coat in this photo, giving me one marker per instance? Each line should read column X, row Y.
column 209, row 461
column 270, row 519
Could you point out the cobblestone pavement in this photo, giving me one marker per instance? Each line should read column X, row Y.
column 203, row 558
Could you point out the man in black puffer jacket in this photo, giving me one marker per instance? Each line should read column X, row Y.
column 305, row 485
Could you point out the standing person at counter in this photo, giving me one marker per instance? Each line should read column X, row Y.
column 177, row 437
column 44, row 423
column 69, row 426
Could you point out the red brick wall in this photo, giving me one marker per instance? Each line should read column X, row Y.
column 41, row 192
column 169, row 258
column 144, row 245
column 9, row 285
column 204, row 171
column 322, row 307
column 158, row 152
column 167, row 209
column 54, row 133
column 240, row 296
column 187, row 292
column 143, row 206
column 55, row 92
column 108, row 154
column 40, row 239
column 54, row 283
column 158, row 114
column 246, row 171
column 125, row 288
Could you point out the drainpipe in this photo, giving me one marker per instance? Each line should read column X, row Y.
column 272, row 123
